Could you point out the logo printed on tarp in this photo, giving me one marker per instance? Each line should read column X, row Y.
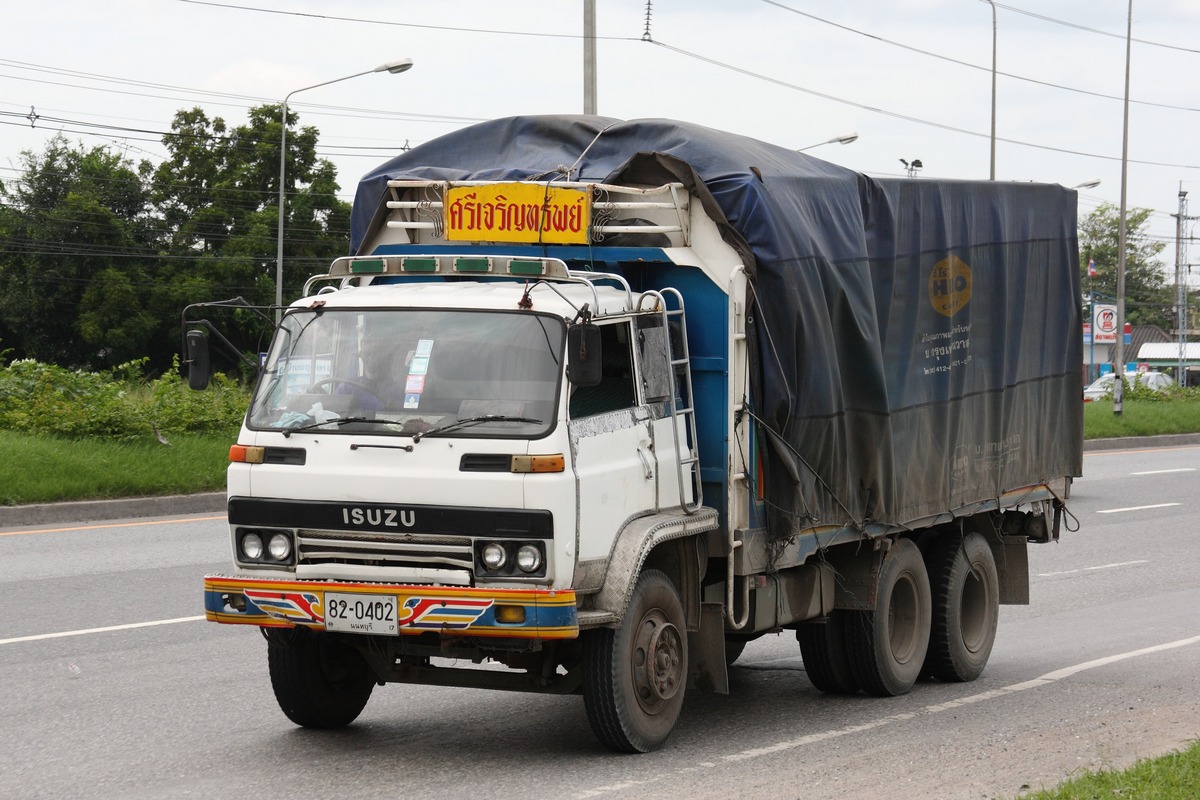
column 950, row 286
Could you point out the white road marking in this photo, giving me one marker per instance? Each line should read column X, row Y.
column 1164, row 471
column 1092, row 569
column 1137, row 508
column 60, row 634
column 822, row 736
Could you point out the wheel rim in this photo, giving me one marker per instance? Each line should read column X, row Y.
column 657, row 661
column 903, row 611
column 974, row 610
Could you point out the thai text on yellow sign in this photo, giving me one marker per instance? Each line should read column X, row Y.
column 517, row 212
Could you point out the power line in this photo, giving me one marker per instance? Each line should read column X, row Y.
column 362, row 21
column 905, row 117
column 1097, row 31
column 969, row 65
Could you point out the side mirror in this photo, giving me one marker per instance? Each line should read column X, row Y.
column 199, row 370
column 584, row 367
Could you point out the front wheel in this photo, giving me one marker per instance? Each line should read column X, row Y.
column 634, row 676
column 318, row 681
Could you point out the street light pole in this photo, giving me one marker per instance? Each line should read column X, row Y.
column 394, row 67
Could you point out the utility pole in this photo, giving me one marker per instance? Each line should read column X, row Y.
column 1182, row 270
column 1119, row 366
column 589, row 56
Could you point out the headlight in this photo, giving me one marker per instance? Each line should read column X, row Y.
column 493, row 555
column 529, row 558
column 252, row 546
column 280, row 546
column 264, row 547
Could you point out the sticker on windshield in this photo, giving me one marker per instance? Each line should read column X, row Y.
column 415, row 384
column 412, row 401
column 419, row 365
column 424, row 347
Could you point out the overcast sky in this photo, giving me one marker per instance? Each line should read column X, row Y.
column 912, row 77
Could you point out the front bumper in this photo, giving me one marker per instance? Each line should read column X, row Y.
column 457, row 611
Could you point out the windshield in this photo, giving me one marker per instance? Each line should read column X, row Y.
column 411, row 371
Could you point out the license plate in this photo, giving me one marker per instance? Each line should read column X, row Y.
column 361, row 613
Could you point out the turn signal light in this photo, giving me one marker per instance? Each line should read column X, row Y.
column 512, row 615
column 247, row 454
column 549, row 463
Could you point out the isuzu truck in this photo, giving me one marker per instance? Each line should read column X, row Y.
column 591, row 404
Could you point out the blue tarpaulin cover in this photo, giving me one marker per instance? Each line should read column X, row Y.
column 916, row 342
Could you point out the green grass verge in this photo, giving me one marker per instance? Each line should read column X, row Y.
column 1141, row 417
column 1172, row 777
column 47, row 469
column 43, row 468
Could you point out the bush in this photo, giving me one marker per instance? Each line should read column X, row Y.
column 117, row 405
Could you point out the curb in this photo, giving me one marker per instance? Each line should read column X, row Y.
column 125, row 508
column 214, row 502
column 1140, row 442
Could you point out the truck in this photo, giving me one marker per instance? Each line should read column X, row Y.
column 591, row 404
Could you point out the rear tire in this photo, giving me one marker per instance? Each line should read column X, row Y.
column 887, row 646
column 319, row 682
column 634, row 676
column 966, row 608
column 823, row 648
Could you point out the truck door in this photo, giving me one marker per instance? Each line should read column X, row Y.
column 614, row 460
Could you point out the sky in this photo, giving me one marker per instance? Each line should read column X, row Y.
column 913, row 78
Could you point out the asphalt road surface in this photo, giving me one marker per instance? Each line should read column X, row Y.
column 115, row 687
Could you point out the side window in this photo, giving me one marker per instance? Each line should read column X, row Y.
column 616, row 389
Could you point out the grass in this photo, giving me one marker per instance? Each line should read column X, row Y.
column 1141, row 417
column 41, row 468
column 47, row 469
column 1172, row 777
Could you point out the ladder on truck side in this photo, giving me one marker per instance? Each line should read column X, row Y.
column 683, row 408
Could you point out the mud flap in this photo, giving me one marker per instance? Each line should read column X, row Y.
column 706, row 651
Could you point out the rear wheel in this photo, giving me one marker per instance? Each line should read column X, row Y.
column 966, row 608
column 887, row 646
column 634, row 676
column 319, row 682
column 823, row 648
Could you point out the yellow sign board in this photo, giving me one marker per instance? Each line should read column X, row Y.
column 517, row 212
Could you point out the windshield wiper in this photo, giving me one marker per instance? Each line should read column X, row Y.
column 339, row 422
column 462, row 423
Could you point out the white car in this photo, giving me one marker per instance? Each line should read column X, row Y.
column 1103, row 386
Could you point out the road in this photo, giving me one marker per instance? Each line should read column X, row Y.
column 114, row 688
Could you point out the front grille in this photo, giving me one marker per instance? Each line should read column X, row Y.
column 383, row 549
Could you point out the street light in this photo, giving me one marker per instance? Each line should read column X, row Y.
column 911, row 167
column 394, row 67
column 1088, row 184
column 845, row 138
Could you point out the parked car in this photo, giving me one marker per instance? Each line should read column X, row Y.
column 1103, row 386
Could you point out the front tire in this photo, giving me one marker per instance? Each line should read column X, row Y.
column 634, row 676
column 319, row 682
column 887, row 646
column 966, row 608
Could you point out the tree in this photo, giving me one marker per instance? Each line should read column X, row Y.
column 1147, row 295
column 219, row 193
column 99, row 256
column 75, row 213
